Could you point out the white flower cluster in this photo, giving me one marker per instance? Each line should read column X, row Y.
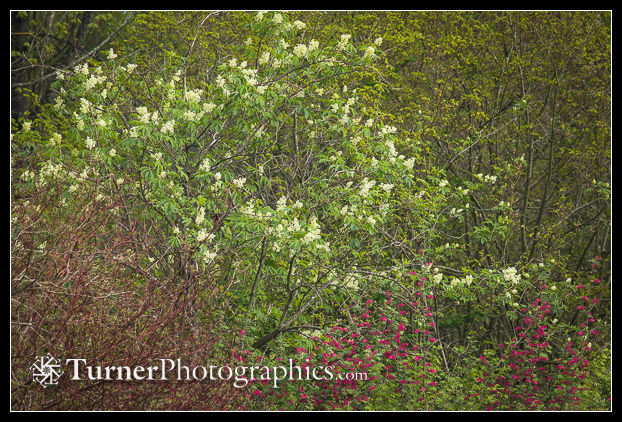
column 50, row 169
column 250, row 76
column 194, row 96
column 314, row 232
column 220, row 81
column 294, row 225
column 343, row 41
column 264, row 58
column 90, row 143
column 168, row 127
column 277, row 18
column 300, row 50
column 387, row 130
column 248, row 209
column 28, row 175
column 454, row 211
column 200, row 216
column 218, row 184
column 456, row 281
column 85, row 106
column 488, row 178
column 392, row 152
column 55, row 139
column 94, row 81
column 191, row 116
column 133, row 132
column 201, row 235
column 370, row 53
column 334, row 157
column 386, row 187
column 281, row 203
column 366, row 185
column 510, row 274
column 239, row 182
column 79, row 121
column 491, row 179
column 351, row 283
column 410, row 163
column 83, row 175
column 208, row 107
column 143, row 114
column 83, row 69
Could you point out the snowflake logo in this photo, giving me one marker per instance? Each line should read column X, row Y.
column 46, row 370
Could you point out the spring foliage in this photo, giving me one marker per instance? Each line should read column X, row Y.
column 353, row 190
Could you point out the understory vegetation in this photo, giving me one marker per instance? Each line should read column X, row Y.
column 420, row 197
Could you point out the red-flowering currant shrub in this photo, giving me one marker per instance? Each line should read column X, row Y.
column 543, row 367
column 387, row 354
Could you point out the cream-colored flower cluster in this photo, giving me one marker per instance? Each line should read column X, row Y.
column 343, row 41
column 366, row 186
column 194, row 96
column 510, row 274
column 300, row 50
column 487, row 178
column 168, row 127
column 370, row 53
column 314, row 232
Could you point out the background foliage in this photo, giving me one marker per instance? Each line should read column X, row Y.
column 421, row 196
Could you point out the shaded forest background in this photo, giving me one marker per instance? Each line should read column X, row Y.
column 525, row 96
